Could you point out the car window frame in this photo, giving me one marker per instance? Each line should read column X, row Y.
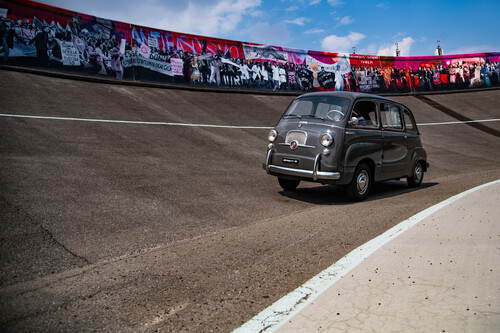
column 377, row 114
column 401, row 115
column 412, row 119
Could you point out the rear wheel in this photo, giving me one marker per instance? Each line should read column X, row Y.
column 415, row 180
column 359, row 187
column 288, row 184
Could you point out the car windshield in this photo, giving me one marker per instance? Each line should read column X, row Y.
column 322, row 107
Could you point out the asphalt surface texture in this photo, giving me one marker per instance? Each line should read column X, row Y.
column 163, row 228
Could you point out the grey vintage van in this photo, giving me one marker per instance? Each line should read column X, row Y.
column 344, row 138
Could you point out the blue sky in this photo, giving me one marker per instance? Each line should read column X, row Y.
column 373, row 27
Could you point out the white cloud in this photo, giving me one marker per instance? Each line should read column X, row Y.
column 344, row 21
column 204, row 17
column 219, row 19
column 383, row 5
column 314, row 2
column 299, row 21
column 399, row 35
column 271, row 34
column 334, row 43
column 314, row 31
column 370, row 49
column 335, row 3
column 390, row 50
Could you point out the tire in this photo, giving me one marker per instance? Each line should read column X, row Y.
column 415, row 180
column 288, row 184
column 360, row 185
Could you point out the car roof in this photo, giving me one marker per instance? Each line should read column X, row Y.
column 346, row 94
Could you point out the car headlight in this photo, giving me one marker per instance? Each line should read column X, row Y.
column 326, row 140
column 273, row 135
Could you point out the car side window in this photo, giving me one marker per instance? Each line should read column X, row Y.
column 409, row 121
column 391, row 116
column 366, row 114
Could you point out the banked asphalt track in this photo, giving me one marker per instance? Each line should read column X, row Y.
column 147, row 227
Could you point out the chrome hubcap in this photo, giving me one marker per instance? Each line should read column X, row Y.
column 418, row 172
column 362, row 182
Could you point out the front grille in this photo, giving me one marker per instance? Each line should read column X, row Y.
column 299, row 136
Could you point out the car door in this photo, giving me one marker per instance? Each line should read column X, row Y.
column 394, row 137
column 363, row 138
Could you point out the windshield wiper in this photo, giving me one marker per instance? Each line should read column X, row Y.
column 291, row 115
column 311, row 116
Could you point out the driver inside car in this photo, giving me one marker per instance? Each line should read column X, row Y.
column 361, row 119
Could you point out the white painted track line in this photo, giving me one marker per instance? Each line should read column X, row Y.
column 203, row 125
column 459, row 122
column 131, row 122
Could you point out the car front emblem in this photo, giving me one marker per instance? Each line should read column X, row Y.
column 294, row 144
column 300, row 126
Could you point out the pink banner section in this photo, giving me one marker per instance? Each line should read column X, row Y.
column 35, row 34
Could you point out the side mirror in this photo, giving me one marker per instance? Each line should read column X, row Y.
column 354, row 121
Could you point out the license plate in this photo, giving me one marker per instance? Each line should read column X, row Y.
column 290, row 160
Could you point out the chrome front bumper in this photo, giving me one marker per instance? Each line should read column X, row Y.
column 314, row 174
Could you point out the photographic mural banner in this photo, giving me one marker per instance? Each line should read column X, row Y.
column 38, row 35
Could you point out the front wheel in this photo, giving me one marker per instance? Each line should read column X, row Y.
column 359, row 187
column 415, row 180
column 288, row 184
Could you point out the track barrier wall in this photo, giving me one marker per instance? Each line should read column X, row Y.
column 40, row 36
